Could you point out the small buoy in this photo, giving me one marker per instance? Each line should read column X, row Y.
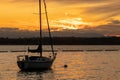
column 65, row 66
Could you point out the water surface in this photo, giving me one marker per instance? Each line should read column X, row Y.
column 82, row 65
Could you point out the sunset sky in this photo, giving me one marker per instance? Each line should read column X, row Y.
column 84, row 18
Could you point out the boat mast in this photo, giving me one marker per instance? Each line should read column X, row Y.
column 40, row 20
column 51, row 42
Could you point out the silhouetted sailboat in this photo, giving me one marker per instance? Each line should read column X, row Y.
column 38, row 62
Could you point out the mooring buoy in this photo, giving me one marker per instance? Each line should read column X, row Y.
column 65, row 66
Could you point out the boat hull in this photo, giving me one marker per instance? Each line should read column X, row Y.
column 31, row 65
column 34, row 62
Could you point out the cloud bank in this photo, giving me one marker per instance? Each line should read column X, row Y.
column 110, row 29
column 16, row 33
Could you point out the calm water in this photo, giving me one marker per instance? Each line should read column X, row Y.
column 84, row 63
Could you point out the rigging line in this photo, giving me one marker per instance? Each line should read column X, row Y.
column 51, row 41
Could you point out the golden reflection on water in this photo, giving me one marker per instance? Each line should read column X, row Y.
column 81, row 66
column 36, row 75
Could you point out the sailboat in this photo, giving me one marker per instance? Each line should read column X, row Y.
column 27, row 62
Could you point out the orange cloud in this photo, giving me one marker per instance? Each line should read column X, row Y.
column 72, row 23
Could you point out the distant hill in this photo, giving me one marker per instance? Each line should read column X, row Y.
column 62, row 41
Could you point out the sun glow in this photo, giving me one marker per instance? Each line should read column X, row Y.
column 116, row 35
column 73, row 23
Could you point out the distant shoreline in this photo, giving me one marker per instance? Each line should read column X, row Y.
column 62, row 41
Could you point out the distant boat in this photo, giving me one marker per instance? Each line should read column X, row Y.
column 27, row 62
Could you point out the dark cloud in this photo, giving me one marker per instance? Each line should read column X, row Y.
column 78, row 33
column 106, row 10
column 114, row 22
column 16, row 33
column 112, row 28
